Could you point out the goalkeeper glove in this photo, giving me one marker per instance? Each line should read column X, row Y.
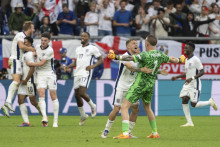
column 111, row 55
column 182, row 59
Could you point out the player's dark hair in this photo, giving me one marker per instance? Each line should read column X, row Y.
column 46, row 35
column 170, row 2
column 64, row 5
column 27, row 25
column 152, row 40
column 122, row 1
column 128, row 41
column 192, row 45
column 29, row 39
column 87, row 33
column 158, row 1
column 160, row 9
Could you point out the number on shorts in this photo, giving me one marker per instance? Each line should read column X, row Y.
column 80, row 56
column 30, row 89
column 83, row 79
column 155, row 65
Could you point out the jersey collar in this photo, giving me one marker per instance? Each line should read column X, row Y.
column 128, row 53
column 45, row 48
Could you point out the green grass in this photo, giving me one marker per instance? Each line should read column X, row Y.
column 205, row 133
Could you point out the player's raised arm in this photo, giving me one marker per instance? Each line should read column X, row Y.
column 137, row 69
column 24, row 47
column 112, row 55
column 181, row 59
column 37, row 64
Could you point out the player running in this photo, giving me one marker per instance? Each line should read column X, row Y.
column 144, row 84
column 83, row 73
column 46, row 77
column 27, row 87
column 192, row 87
column 17, row 51
column 128, row 71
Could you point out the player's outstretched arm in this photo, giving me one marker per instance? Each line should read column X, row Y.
column 73, row 64
column 181, row 59
column 24, row 47
column 201, row 72
column 137, row 69
column 99, row 62
column 112, row 55
column 36, row 64
column 30, row 73
column 179, row 76
column 163, row 72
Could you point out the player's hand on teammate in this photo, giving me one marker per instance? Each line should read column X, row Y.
column 111, row 54
column 164, row 72
column 146, row 70
column 32, row 49
column 24, row 82
column 182, row 59
column 174, row 78
column 188, row 81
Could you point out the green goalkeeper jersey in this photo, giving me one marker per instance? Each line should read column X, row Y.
column 152, row 59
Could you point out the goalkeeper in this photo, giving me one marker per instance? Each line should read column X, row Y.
column 144, row 83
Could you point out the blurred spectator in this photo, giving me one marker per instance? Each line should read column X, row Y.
column 50, row 8
column 71, row 4
column 142, row 23
column 65, row 61
column 214, row 27
column 161, row 24
column 17, row 19
column 185, row 8
column 82, row 8
column 3, row 74
column 106, row 14
column 91, row 20
column 122, row 21
column 33, row 7
column 45, row 27
column 14, row 4
column 66, row 20
column 144, row 3
column 176, row 26
column 152, row 11
column 4, row 5
column 207, row 3
column 203, row 30
column 169, row 8
column 195, row 7
column 189, row 25
column 128, row 6
column 98, row 71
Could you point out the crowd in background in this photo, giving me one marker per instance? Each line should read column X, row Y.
column 113, row 17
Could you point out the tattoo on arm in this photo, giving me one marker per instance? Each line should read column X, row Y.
column 127, row 58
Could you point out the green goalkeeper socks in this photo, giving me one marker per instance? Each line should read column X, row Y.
column 125, row 127
column 153, row 125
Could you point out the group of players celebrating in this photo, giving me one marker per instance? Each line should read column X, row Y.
column 32, row 71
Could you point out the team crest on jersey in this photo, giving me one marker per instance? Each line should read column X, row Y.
column 43, row 54
column 162, row 47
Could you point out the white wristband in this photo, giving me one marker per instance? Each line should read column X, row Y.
column 193, row 77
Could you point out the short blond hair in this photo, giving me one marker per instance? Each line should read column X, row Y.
column 27, row 25
column 152, row 40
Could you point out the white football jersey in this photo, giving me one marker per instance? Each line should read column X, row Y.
column 85, row 56
column 28, row 56
column 47, row 54
column 193, row 66
column 125, row 77
column 16, row 52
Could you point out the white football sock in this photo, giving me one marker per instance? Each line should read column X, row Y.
column 11, row 91
column 55, row 109
column 24, row 113
column 203, row 103
column 91, row 104
column 186, row 111
column 109, row 124
column 81, row 111
column 38, row 108
column 42, row 105
column 131, row 126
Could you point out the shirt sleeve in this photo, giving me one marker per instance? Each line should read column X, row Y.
column 86, row 17
column 198, row 64
column 139, row 57
column 20, row 37
column 166, row 58
column 29, row 57
column 59, row 17
column 115, row 16
column 96, row 52
column 73, row 16
column 48, row 55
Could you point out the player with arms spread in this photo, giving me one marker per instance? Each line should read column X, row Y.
column 17, row 50
column 128, row 71
column 83, row 73
column 192, row 86
column 27, row 87
column 46, row 77
column 144, row 83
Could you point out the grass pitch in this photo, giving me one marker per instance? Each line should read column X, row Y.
column 205, row 133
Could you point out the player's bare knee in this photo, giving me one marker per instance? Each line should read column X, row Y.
column 193, row 104
column 116, row 109
column 135, row 110
column 21, row 101
column 185, row 100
